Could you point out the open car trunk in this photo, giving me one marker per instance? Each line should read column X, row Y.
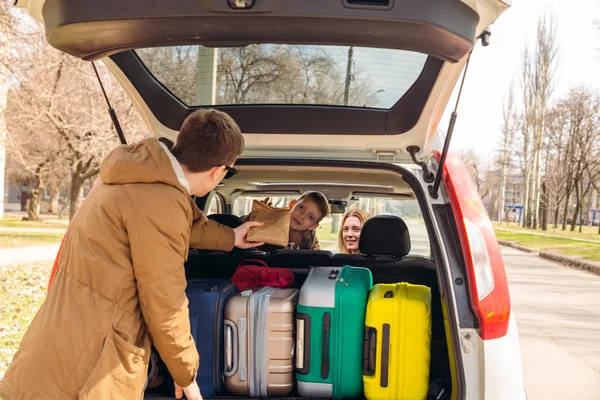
column 422, row 272
column 276, row 176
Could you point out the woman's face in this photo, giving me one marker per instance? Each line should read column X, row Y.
column 351, row 233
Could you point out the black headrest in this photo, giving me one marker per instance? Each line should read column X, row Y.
column 384, row 235
column 230, row 220
column 283, row 258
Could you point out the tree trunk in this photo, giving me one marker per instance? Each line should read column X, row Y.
column 544, row 205
column 556, row 212
column 580, row 219
column 76, row 192
column 527, row 199
column 335, row 223
column 502, row 188
column 54, row 194
column 3, row 97
column 566, row 210
column 35, row 197
column 535, row 192
column 577, row 207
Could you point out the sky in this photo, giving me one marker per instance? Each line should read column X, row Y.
column 492, row 68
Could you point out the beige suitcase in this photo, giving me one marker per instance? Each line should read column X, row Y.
column 259, row 342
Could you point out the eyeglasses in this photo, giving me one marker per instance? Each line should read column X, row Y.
column 230, row 172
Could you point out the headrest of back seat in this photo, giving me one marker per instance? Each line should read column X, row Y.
column 230, row 220
column 384, row 235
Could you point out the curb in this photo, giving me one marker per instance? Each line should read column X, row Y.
column 576, row 262
column 571, row 261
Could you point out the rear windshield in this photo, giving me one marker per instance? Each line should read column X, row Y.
column 328, row 231
column 285, row 74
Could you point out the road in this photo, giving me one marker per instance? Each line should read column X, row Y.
column 558, row 316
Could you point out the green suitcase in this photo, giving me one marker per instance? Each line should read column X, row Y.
column 330, row 332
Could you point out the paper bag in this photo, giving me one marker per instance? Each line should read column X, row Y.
column 276, row 228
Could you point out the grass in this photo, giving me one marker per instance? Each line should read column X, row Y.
column 22, row 292
column 324, row 232
column 590, row 251
column 50, row 223
column 588, row 232
column 20, row 239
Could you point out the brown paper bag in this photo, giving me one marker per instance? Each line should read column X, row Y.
column 276, row 228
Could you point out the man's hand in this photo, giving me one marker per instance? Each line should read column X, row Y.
column 192, row 392
column 267, row 201
column 242, row 231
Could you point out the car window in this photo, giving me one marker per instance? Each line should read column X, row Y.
column 327, row 233
column 285, row 74
column 407, row 209
column 215, row 206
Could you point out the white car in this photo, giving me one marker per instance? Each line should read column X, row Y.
column 341, row 96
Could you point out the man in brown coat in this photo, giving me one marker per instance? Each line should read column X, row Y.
column 120, row 283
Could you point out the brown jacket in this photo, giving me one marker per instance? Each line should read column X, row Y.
column 120, row 284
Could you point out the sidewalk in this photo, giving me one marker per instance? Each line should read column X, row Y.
column 571, row 261
column 28, row 254
column 32, row 230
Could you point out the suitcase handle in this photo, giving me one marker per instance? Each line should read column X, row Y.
column 385, row 355
column 231, row 348
column 302, row 343
column 325, row 347
column 370, row 351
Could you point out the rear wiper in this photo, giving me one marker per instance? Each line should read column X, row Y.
column 111, row 111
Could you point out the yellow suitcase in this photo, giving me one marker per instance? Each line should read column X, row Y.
column 397, row 342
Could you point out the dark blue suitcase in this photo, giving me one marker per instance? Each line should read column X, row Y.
column 207, row 298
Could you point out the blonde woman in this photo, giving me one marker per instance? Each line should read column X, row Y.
column 350, row 228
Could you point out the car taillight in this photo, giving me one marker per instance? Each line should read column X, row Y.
column 485, row 267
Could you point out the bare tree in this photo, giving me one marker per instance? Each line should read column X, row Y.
column 526, row 133
column 557, row 174
column 588, row 142
column 580, row 111
column 546, row 56
column 538, row 84
column 9, row 36
column 59, row 125
column 509, row 126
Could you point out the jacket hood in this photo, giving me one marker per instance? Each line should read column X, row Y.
column 143, row 162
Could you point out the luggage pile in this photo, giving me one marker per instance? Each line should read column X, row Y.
column 337, row 337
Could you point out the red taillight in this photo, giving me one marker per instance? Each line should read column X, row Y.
column 485, row 267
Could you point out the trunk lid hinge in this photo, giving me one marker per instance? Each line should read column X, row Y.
column 428, row 176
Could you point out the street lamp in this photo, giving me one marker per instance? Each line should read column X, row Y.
column 374, row 95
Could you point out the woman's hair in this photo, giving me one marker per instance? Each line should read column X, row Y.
column 362, row 216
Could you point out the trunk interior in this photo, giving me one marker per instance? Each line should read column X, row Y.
column 412, row 269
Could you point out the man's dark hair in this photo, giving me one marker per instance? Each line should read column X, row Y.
column 208, row 138
column 319, row 199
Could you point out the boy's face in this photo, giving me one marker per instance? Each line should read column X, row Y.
column 304, row 216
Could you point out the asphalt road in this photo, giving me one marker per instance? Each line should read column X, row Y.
column 558, row 317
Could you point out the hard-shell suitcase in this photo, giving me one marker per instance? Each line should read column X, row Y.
column 259, row 342
column 207, row 299
column 397, row 342
column 330, row 332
